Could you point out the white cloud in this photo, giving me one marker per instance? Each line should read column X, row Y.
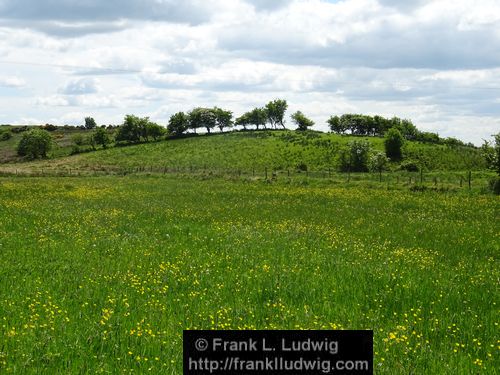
column 80, row 87
column 437, row 62
column 13, row 81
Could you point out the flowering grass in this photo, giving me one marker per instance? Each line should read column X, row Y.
column 101, row 275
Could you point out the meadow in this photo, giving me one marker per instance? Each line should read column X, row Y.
column 102, row 274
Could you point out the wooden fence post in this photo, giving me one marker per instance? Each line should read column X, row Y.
column 470, row 180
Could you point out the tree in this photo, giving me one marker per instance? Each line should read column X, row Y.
column 223, row 118
column 35, row 143
column 378, row 162
column 257, row 117
column 276, row 112
column 336, row 125
column 243, row 120
column 90, row 123
column 302, row 121
column 101, row 137
column 178, row 123
column 354, row 157
column 131, row 130
column 394, row 142
column 154, row 130
column 202, row 118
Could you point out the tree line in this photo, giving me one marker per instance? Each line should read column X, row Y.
column 270, row 116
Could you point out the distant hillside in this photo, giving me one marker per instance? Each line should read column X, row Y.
column 245, row 150
column 62, row 137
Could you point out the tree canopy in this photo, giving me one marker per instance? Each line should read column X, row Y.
column 276, row 112
column 302, row 122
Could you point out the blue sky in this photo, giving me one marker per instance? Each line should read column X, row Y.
column 435, row 62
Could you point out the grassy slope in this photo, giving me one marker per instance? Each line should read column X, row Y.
column 248, row 150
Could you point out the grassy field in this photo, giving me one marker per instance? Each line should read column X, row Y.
column 103, row 274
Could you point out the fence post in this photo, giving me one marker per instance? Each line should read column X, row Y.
column 470, row 180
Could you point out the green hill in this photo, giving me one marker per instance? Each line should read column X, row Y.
column 244, row 151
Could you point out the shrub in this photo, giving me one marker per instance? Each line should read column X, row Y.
column 410, row 166
column 378, row 162
column 394, row 142
column 78, row 139
column 5, row 135
column 35, row 143
column 49, row 127
column 302, row 167
column 19, row 129
column 100, row 137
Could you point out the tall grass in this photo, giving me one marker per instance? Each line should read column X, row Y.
column 103, row 274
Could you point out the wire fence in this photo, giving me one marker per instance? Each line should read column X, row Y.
column 431, row 179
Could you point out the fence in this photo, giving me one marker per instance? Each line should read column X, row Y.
column 437, row 180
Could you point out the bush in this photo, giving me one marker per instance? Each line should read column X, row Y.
column 394, row 142
column 49, row 127
column 100, row 137
column 19, row 129
column 378, row 162
column 78, row 139
column 35, row 143
column 302, row 167
column 410, row 166
column 5, row 135
column 355, row 157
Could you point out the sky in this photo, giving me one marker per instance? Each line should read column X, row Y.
column 435, row 62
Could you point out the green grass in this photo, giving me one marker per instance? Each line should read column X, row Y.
column 103, row 274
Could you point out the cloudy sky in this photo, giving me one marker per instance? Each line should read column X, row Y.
column 436, row 62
